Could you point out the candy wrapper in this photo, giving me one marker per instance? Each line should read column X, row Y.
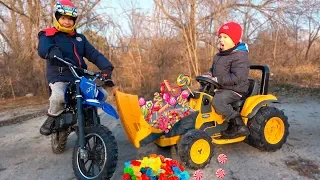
column 154, row 167
column 169, row 105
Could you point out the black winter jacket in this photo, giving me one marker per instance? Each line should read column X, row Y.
column 232, row 69
column 74, row 47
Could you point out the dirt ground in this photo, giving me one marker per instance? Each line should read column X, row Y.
column 25, row 154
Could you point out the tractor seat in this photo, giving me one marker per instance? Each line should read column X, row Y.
column 253, row 90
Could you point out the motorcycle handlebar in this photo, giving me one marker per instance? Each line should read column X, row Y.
column 72, row 67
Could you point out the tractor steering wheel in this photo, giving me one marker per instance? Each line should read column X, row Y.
column 207, row 84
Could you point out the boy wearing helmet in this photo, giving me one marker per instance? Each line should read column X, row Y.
column 230, row 69
column 63, row 41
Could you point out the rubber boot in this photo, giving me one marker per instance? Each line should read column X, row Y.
column 230, row 128
column 46, row 128
column 239, row 129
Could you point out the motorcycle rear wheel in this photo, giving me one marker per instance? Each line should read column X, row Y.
column 59, row 141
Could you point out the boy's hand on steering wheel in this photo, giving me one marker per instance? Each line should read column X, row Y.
column 209, row 75
column 214, row 79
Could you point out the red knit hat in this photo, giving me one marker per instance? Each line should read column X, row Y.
column 233, row 30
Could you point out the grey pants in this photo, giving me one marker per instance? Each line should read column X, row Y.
column 222, row 103
column 57, row 98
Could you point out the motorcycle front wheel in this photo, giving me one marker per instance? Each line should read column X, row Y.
column 102, row 157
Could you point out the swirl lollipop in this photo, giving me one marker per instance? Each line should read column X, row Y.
column 184, row 81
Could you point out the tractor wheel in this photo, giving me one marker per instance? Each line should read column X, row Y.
column 195, row 149
column 269, row 129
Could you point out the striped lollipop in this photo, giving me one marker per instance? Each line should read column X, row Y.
column 222, row 158
column 198, row 175
column 220, row 173
column 183, row 80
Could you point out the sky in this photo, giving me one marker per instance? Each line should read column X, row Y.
column 116, row 8
column 142, row 3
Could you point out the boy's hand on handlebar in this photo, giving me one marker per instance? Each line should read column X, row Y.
column 107, row 72
column 108, row 82
column 55, row 51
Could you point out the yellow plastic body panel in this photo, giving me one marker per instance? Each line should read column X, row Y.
column 133, row 122
column 228, row 141
column 204, row 117
column 253, row 101
column 164, row 142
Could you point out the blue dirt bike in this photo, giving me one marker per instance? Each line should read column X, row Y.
column 95, row 153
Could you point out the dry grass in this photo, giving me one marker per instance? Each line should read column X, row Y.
column 11, row 103
column 295, row 81
column 302, row 76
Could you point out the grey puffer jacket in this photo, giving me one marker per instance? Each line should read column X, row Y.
column 232, row 68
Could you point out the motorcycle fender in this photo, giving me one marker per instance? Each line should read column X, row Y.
column 107, row 108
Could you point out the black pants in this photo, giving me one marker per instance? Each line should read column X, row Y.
column 222, row 103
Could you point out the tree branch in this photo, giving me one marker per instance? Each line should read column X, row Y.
column 234, row 5
column 14, row 9
column 175, row 20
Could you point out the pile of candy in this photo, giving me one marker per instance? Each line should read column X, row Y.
column 169, row 105
column 155, row 167
column 166, row 121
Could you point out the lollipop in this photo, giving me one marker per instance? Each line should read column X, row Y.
column 184, row 94
column 163, row 108
column 182, row 102
column 157, row 99
column 149, row 105
column 144, row 110
column 162, row 88
column 166, row 97
column 142, row 101
column 176, row 91
column 172, row 101
column 184, row 81
column 156, row 108
column 166, row 82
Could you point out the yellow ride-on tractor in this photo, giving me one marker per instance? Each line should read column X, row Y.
column 195, row 135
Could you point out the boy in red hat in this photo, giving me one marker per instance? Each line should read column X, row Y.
column 230, row 69
column 63, row 41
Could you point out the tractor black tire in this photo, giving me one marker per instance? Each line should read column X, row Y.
column 59, row 141
column 185, row 144
column 109, row 144
column 257, row 125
